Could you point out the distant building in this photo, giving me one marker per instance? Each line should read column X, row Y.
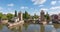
column 42, row 15
column 20, row 16
column 54, row 18
column 59, row 17
column 17, row 18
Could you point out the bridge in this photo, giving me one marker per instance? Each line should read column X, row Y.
column 32, row 20
column 37, row 21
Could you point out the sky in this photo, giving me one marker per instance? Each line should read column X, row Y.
column 31, row 6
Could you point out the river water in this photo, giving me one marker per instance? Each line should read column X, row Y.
column 31, row 28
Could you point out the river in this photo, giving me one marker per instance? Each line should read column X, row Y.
column 31, row 28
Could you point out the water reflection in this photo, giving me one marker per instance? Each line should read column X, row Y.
column 42, row 28
column 56, row 26
column 26, row 26
column 16, row 28
column 31, row 28
column 1, row 26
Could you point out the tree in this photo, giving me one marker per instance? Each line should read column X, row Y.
column 35, row 16
column 26, row 15
column 47, row 17
column 1, row 16
column 15, row 13
column 4, row 17
column 10, row 16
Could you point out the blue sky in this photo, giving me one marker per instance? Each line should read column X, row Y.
column 31, row 6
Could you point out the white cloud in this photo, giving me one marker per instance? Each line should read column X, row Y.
column 55, row 12
column 53, row 2
column 41, row 5
column 1, row 8
column 8, row 12
column 23, row 7
column 52, row 10
column 11, row 4
column 11, row 12
column 38, row 2
column 55, row 8
column 45, row 9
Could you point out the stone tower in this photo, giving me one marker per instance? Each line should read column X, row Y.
column 20, row 16
column 42, row 15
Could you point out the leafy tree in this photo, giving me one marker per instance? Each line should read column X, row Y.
column 15, row 13
column 4, row 17
column 1, row 16
column 35, row 16
column 10, row 16
column 47, row 17
column 26, row 15
column 23, row 15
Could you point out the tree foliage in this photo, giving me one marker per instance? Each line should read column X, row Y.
column 47, row 16
column 10, row 16
column 1, row 16
column 15, row 13
column 26, row 15
column 35, row 16
column 4, row 17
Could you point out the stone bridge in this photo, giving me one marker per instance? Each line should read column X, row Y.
column 32, row 20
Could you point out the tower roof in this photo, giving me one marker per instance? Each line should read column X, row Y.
column 20, row 12
column 42, row 11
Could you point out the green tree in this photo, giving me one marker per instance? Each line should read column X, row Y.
column 1, row 16
column 26, row 15
column 4, row 17
column 10, row 16
column 35, row 16
column 47, row 17
column 15, row 13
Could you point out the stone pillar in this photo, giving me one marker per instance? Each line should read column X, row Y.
column 20, row 16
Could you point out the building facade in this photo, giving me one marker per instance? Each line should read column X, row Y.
column 42, row 15
column 54, row 18
column 59, row 17
column 20, row 16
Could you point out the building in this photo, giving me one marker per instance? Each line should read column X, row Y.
column 59, row 17
column 17, row 18
column 54, row 18
column 20, row 16
column 42, row 15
